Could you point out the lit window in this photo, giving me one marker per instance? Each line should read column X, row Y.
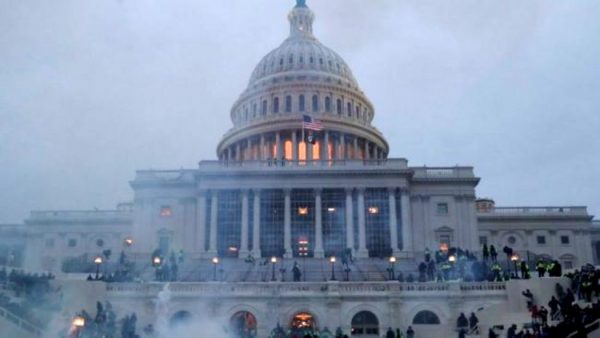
column 565, row 240
column 541, row 239
column 303, row 211
column 373, row 210
column 442, row 208
column 166, row 211
column 331, row 210
column 72, row 243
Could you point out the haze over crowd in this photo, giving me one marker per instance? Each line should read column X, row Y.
column 91, row 91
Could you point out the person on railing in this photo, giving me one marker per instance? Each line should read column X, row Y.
column 473, row 324
column 462, row 323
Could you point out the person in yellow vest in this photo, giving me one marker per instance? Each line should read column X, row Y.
column 541, row 268
column 497, row 270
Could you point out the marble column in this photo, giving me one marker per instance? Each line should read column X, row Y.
column 287, row 224
column 407, row 239
column 367, row 151
column 393, row 221
column 341, row 148
column 243, row 253
column 277, row 146
column 349, row 220
column 355, row 155
column 214, row 205
column 256, row 225
column 319, row 252
column 294, row 147
column 362, row 229
column 261, row 151
column 325, row 148
column 238, row 152
column 201, row 222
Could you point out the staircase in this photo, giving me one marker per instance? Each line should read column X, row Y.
column 13, row 326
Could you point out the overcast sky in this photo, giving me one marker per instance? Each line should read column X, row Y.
column 91, row 91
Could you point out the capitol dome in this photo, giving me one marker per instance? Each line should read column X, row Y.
column 301, row 78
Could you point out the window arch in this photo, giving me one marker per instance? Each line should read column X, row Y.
column 315, row 103
column 301, row 103
column 243, row 324
column 328, row 104
column 180, row 318
column 276, row 105
column 426, row 318
column 365, row 324
column 349, row 109
column 263, row 110
column 288, row 104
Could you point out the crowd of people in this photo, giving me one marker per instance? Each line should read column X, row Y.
column 279, row 332
column 103, row 324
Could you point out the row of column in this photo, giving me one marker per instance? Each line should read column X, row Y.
column 273, row 146
column 361, row 251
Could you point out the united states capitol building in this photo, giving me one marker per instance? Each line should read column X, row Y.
column 272, row 194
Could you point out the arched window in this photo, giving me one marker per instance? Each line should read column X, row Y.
column 328, row 104
column 288, row 104
column 358, row 112
column 339, row 106
column 365, row 324
column 303, row 320
column 180, row 318
column 291, row 59
column 312, row 60
column 321, row 61
column 254, row 110
column 243, row 324
column 276, row 105
column 301, row 59
column 301, row 103
column 264, row 108
column 281, row 62
column 315, row 103
column 426, row 318
column 349, row 109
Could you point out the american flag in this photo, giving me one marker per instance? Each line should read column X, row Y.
column 311, row 124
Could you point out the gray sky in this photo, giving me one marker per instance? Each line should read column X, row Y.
column 92, row 90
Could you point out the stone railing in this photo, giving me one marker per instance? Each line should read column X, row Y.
column 20, row 322
column 78, row 214
column 578, row 211
column 443, row 172
column 396, row 164
column 213, row 289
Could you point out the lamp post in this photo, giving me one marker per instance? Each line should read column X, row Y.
column 515, row 258
column 98, row 261
column 392, row 268
column 273, row 262
column 128, row 242
column 156, row 262
column 215, row 262
column 78, row 324
column 452, row 260
column 332, row 261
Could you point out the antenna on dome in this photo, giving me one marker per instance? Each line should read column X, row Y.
column 300, row 3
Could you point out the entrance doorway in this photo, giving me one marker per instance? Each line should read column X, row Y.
column 365, row 325
column 302, row 323
column 243, row 325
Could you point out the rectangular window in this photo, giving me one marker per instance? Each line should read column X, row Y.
column 288, row 104
column 72, row 243
column 442, row 209
column 166, row 211
column 541, row 239
column 483, row 240
column 565, row 240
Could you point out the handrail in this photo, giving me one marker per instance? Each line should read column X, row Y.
column 20, row 322
column 588, row 328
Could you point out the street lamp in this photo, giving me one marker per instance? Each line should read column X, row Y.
column 78, row 323
column 514, row 258
column 128, row 242
column 332, row 261
column 98, row 262
column 215, row 261
column 273, row 262
column 392, row 268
